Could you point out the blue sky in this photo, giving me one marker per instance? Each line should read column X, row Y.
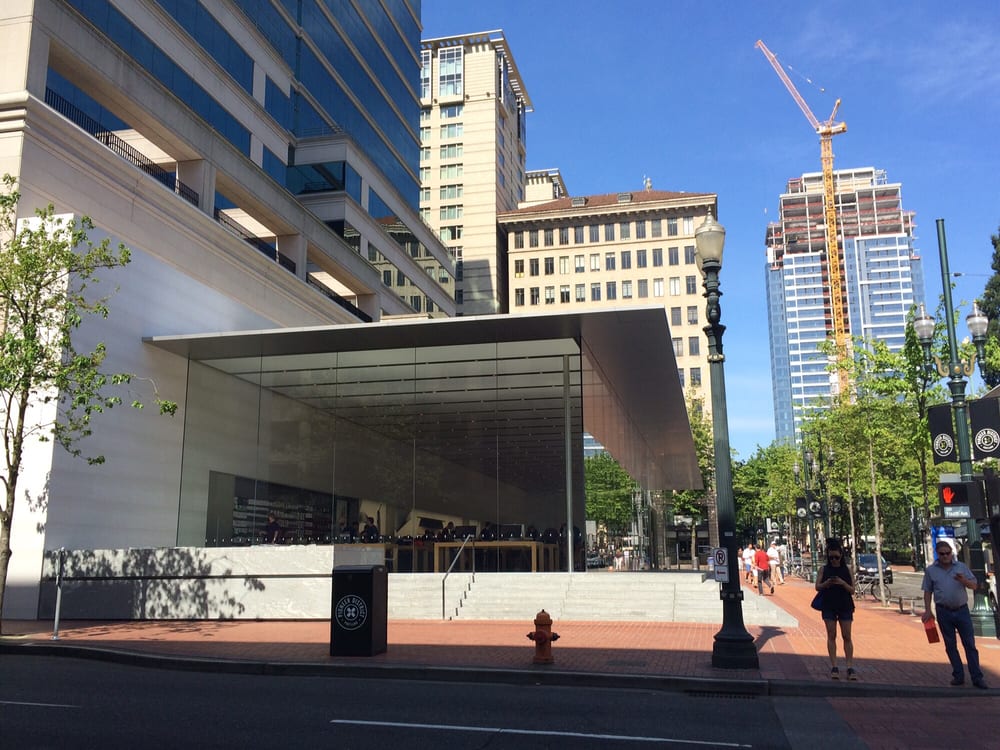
column 676, row 91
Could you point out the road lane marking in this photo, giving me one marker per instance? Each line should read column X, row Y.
column 547, row 733
column 42, row 705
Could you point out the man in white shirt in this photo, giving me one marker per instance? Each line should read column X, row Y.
column 774, row 561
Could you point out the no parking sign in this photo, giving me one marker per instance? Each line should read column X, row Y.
column 721, row 558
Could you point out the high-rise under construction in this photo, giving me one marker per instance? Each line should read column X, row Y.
column 881, row 272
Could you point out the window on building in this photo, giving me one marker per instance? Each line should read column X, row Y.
column 688, row 227
column 533, row 295
column 550, row 295
column 450, row 71
column 452, row 130
column 675, row 316
column 595, row 233
column 425, row 153
column 611, row 290
column 550, row 266
column 578, row 235
column 387, row 278
column 675, row 286
column 450, row 192
column 692, row 314
column 425, row 77
column 449, row 234
column 578, row 263
column 425, row 135
column 450, row 171
column 657, row 287
column 563, row 264
column 673, row 256
column 657, row 257
column 450, row 212
column 623, row 231
column 691, row 284
column 609, row 232
column 626, row 259
column 595, row 292
column 563, row 235
column 452, row 111
column 519, row 268
column 580, row 291
column 518, row 240
column 595, row 262
column 425, row 194
column 415, row 302
column 533, row 266
column 671, row 227
column 689, row 255
column 640, row 258
column 532, row 238
column 656, row 228
column 678, row 346
column 609, row 261
column 643, row 289
column 626, row 290
column 696, row 376
column 680, row 375
column 451, row 151
column 548, row 238
column 425, row 174
column 564, row 294
column 519, row 297
column 694, row 346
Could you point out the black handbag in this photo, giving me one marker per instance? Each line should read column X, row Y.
column 817, row 602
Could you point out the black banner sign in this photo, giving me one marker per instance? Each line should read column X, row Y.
column 942, row 433
column 985, row 416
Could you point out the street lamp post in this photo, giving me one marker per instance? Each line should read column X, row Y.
column 956, row 371
column 733, row 647
column 806, row 512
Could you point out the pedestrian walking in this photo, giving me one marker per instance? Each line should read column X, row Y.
column 748, row 562
column 774, row 561
column 762, row 569
column 948, row 581
column 836, row 593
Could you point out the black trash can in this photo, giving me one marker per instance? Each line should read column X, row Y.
column 359, row 610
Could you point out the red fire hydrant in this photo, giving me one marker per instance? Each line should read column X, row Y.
column 543, row 637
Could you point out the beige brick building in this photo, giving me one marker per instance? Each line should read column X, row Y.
column 472, row 157
column 627, row 249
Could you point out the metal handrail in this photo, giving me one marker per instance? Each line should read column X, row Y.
column 448, row 573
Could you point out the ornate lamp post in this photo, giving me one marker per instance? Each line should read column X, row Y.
column 812, row 506
column 956, row 371
column 733, row 647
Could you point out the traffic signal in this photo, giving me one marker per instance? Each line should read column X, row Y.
column 961, row 495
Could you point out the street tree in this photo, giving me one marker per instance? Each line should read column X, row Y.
column 989, row 303
column 609, row 491
column 50, row 391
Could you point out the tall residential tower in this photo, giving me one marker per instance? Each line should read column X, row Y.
column 883, row 279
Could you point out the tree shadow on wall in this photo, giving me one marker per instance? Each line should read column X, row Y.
column 145, row 584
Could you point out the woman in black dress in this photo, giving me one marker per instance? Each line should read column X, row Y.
column 837, row 586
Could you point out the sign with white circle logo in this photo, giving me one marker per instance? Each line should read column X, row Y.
column 988, row 440
column 351, row 612
column 944, row 444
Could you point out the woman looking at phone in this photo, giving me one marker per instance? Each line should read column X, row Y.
column 836, row 585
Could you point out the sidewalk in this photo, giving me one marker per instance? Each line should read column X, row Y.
column 892, row 657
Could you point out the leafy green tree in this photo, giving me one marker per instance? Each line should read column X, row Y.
column 989, row 303
column 693, row 502
column 48, row 389
column 609, row 493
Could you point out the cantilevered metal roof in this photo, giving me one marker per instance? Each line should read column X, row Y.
column 473, row 388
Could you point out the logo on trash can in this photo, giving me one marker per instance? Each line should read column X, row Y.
column 352, row 612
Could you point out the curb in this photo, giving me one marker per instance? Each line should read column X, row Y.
column 537, row 676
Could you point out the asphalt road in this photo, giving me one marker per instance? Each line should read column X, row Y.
column 53, row 702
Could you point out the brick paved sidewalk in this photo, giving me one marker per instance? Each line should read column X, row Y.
column 890, row 648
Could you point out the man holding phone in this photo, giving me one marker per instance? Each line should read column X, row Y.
column 948, row 580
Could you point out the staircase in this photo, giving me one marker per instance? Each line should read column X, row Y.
column 593, row 596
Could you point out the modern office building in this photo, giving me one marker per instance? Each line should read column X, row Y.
column 472, row 157
column 882, row 273
column 261, row 161
column 600, row 252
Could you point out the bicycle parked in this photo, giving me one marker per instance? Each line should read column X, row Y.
column 867, row 585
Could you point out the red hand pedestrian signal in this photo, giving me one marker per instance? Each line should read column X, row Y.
column 947, row 495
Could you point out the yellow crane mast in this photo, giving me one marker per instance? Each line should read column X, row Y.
column 826, row 130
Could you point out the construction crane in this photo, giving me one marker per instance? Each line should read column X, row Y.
column 826, row 130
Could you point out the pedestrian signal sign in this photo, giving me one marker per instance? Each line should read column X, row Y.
column 961, row 499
